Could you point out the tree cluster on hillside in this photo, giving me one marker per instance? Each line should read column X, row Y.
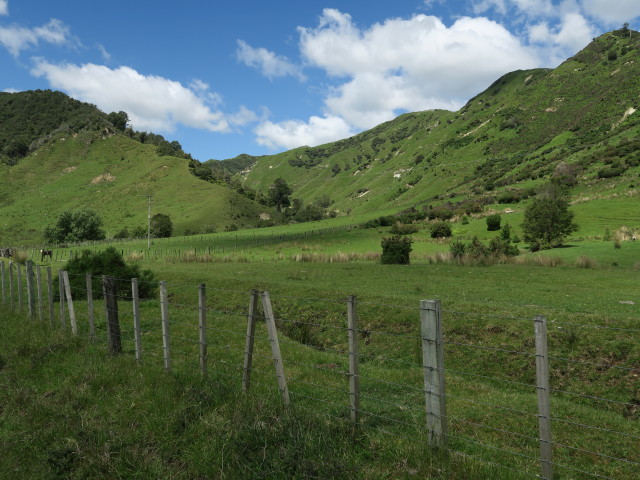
column 75, row 226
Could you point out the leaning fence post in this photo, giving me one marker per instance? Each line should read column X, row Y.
column 275, row 347
column 354, row 359
column 50, row 294
column 114, row 340
column 164, row 309
column 136, row 318
column 202, row 326
column 72, row 312
column 31, row 298
column 433, row 366
column 251, row 332
column 544, row 401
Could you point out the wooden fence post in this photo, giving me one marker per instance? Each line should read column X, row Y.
column 50, row 294
column 136, row 319
column 39, row 285
column 72, row 312
column 31, row 297
column 11, row 295
column 202, row 326
column 4, row 292
column 544, row 401
column 275, row 347
column 19, row 268
column 354, row 359
column 61, row 289
column 92, row 326
column 164, row 309
column 433, row 366
column 251, row 332
column 114, row 340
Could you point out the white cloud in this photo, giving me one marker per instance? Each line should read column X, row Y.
column 570, row 35
column 16, row 38
column 153, row 103
column 612, row 12
column 268, row 63
column 11, row 90
column 294, row 133
column 408, row 64
column 4, row 7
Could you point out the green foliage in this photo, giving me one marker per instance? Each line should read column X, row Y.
column 457, row 249
column 441, row 230
column 400, row 228
column 111, row 263
column 493, row 222
column 75, row 226
column 161, row 226
column 396, row 250
column 547, row 219
column 279, row 193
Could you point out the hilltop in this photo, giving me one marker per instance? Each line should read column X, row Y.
column 577, row 120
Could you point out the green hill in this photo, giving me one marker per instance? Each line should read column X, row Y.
column 577, row 120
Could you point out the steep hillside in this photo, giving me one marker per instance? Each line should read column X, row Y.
column 577, row 120
column 114, row 175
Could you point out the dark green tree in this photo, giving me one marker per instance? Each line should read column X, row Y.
column 396, row 250
column 119, row 120
column 493, row 222
column 279, row 194
column 75, row 226
column 161, row 226
column 547, row 219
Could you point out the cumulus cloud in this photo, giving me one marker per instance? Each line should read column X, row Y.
column 4, row 7
column 610, row 12
column 408, row 64
column 572, row 33
column 153, row 103
column 16, row 38
column 295, row 133
column 266, row 62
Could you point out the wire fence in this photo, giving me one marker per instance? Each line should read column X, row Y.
column 500, row 389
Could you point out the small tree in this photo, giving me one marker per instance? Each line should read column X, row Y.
column 547, row 219
column 279, row 194
column 493, row 222
column 441, row 230
column 75, row 226
column 161, row 226
column 396, row 250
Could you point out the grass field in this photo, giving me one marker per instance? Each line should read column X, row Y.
column 215, row 432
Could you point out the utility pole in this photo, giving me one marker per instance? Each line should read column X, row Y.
column 149, row 225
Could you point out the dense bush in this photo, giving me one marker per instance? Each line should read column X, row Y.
column 396, row 250
column 441, row 230
column 493, row 222
column 161, row 226
column 403, row 228
column 111, row 263
column 75, row 226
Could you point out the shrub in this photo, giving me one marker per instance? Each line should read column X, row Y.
column 457, row 249
column 465, row 220
column 75, row 226
column 493, row 222
column 107, row 262
column 476, row 249
column 441, row 230
column 396, row 250
column 403, row 228
column 161, row 226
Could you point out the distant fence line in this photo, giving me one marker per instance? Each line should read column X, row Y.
column 183, row 333
column 215, row 245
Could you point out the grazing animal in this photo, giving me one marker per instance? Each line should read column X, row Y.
column 46, row 253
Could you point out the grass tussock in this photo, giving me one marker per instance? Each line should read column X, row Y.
column 135, row 257
column 190, row 256
column 335, row 257
column 586, row 262
column 20, row 257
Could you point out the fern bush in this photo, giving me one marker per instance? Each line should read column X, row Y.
column 396, row 250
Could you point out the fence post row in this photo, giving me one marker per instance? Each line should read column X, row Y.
column 251, row 332
column 354, row 359
column 544, row 401
column 92, row 327
column 39, row 285
column 50, row 294
column 164, row 310
column 111, row 309
column 433, row 366
column 202, row 326
column 4, row 294
column 19, row 269
column 31, row 298
column 275, row 347
column 61, row 292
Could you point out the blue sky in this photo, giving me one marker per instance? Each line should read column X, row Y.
column 257, row 77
